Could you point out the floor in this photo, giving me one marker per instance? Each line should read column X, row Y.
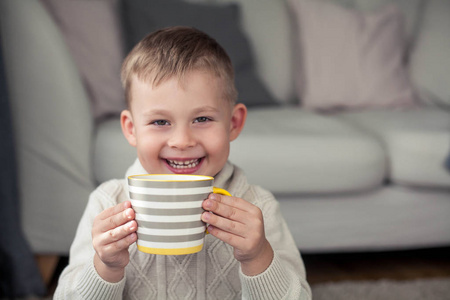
column 397, row 265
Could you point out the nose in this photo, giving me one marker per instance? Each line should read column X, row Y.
column 182, row 138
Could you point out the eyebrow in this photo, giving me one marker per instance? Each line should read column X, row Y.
column 156, row 112
column 164, row 112
column 206, row 109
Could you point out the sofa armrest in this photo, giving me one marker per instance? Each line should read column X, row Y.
column 53, row 125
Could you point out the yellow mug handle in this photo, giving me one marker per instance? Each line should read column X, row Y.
column 217, row 190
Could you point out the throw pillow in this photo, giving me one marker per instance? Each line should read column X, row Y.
column 351, row 59
column 411, row 10
column 92, row 32
column 221, row 22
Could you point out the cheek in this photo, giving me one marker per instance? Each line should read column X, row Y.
column 148, row 146
column 218, row 144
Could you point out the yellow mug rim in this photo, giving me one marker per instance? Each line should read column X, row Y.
column 136, row 177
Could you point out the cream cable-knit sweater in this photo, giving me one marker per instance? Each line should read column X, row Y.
column 213, row 273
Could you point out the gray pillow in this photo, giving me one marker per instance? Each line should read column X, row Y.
column 140, row 17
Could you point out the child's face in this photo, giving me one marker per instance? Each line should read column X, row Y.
column 184, row 129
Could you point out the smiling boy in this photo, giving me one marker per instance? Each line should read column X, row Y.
column 181, row 117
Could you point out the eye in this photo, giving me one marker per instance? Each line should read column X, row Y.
column 160, row 123
column 202, row 119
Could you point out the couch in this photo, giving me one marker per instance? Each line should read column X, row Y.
column 349, row 135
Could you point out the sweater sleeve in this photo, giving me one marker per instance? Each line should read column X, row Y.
column 285, row 278
column 80, row 280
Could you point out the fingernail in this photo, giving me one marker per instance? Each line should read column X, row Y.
column 213, row 196
column 128, row 213
column 207, row 204
column 205, row 216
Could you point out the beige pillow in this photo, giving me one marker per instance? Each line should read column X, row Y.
column 350, row 59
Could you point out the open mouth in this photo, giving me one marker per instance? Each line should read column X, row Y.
column 184, row 164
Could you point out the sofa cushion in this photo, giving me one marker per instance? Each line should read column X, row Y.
column 221, row 22
column 268, row 27
column 285, row 150
column 112, row 153
column 92, row 32
column 288, row 150
column 417, row 143
column 351, row 59
column 389, row 218
column 430, row 60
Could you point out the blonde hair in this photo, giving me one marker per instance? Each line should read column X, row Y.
column 175, row 51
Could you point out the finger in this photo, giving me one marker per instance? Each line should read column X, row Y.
column 114, row 210
column 243, row 212
column 117, row 234
column 230, row 226
column 232, row 201
column 233, row 240
column 121, row 232
column 108, row 252
column 116, row 220
column 227, row 209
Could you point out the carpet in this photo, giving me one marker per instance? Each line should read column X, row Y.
column 423, row 289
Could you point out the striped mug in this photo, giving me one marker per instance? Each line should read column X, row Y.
column 168, row 211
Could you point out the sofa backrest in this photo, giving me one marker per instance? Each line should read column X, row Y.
column 268, row 27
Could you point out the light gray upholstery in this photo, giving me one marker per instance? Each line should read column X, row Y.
column 52, row 123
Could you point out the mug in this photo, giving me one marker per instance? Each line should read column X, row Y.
column 168, row 209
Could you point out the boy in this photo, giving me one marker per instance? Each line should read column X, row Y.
column 182, row 115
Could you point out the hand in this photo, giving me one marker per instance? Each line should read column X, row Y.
column 239, row 224
column 113, row 231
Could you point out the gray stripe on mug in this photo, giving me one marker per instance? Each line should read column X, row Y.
column 168, row 184
column 167, row 225
column 168, row 211
column 168, row 198
column 170, row 239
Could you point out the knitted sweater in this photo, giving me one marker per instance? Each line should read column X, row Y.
column 212, row 273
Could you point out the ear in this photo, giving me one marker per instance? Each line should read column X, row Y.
column 238, row 117
column 128, row 129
